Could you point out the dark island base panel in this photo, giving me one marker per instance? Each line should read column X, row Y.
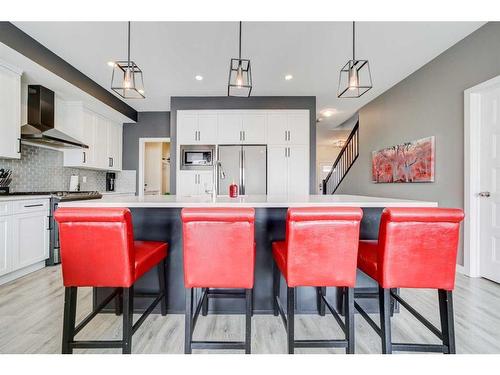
column 164, row 224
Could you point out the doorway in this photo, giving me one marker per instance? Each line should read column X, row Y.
column 482, row 181
column 154, row 166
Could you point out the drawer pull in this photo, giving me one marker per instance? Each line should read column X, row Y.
column 34, row 205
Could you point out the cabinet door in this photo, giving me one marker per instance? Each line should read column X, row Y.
column 89, row 124
column 119, row 147
column 277, row 128
column 114, row 146
column 229, row 128
column 10, row 113
column 254, row 128
column 277, row 181
column 207, row 129
column 205, row 182
column 298, row 170
column 31, row 238
column 5, row 245
column 188, row 183
column 101, row 143
column 298, row 128
column 187, row 128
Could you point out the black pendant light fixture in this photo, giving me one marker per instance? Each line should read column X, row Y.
column 355, row 77
column 127, row 80
column 240, row 76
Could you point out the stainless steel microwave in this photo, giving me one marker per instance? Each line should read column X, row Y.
column 197, row 156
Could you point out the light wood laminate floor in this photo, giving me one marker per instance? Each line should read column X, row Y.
column 31, row 322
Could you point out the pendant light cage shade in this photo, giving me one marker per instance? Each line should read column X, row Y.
column 240, row 78
column 355, row 79
column 127, row 80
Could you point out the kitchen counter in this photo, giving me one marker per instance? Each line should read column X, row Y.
column 256, row 201
column 8, row 198
column 158, row 218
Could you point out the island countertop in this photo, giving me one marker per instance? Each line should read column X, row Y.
column 256, row 201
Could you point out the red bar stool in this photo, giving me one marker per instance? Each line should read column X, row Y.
column 98, row 250
column 417, row 248
column 219, row 252
column 320, row 250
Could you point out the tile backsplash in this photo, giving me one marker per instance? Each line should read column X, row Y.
column 41, row 169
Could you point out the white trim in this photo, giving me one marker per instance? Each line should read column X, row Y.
column 142, row 142
column 472, row 138
column 21, row 272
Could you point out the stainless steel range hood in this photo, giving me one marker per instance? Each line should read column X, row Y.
column 40, row 127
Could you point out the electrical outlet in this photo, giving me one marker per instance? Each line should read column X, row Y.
column 84, row 179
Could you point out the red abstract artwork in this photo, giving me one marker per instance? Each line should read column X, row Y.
column 407, row 162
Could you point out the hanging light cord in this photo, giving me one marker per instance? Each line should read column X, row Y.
column 240, row 44
column 128, row 56
column 353, row 39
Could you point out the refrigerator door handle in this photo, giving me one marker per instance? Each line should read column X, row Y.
column 243, row 172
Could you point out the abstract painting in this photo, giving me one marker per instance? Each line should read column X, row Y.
column 407, row 162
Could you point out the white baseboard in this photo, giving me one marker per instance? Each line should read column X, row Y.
column 22, row 272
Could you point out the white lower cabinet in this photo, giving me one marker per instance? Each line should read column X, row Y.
column 24, row 237
column 195, row 183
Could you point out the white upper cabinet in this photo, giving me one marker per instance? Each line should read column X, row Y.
column 229, row 128
column 103, row 136
column 10, row 112
column 253, row 127
column 196, row 128
column 288, row 127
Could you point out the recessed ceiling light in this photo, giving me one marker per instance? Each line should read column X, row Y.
column 111, row 63
column 198, row 78
column 288, row 77
column 328, row 112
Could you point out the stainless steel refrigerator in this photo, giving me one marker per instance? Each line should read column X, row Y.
column 246, row 166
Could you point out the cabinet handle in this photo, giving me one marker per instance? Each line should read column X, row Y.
column 112, row 162
column 50, row 222
column 289, row 136
column 241, row 138
column 33, row 205
column 244, row 135
column 199, row 135
column 285, row 135
column 84, row 157
column 19, row 148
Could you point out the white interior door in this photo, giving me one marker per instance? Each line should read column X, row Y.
column 153, row 168
column 490, row 186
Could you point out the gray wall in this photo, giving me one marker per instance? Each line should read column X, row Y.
column 149, row 124
column 428, row 102
column 254, row 102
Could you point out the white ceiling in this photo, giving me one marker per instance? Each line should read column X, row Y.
column 172, row 53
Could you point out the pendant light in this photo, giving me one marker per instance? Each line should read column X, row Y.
column 355, row 77
column 127, row 80
column 240, row 75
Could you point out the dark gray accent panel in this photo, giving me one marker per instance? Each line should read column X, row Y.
column 18, row 40
column 164, row 224
column 149, row 124
column 253, row 102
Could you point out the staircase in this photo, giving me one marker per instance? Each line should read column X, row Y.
column 344, row 162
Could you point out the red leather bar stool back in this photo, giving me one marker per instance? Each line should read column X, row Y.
column 98, row 250
column 219, row 256
column 416, row 248
column 320, row 250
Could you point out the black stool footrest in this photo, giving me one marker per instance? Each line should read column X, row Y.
column 320, row 343
column 407, row 347
column 218, row 344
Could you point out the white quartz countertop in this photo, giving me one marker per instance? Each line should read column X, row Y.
column 8, row 198
column 257, row 201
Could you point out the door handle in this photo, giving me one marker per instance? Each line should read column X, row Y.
column 484, row 194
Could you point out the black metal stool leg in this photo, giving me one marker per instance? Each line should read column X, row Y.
column 384, row 297
column 119, row 302
column 70, row 294
column 162, row 280
column 349, row 319
column 128, row 319
column 447, row 320
column 276, row 288
column 204, row 307
column 290, row 319
column 188, row 321
column 248, row 321
column 321, row 304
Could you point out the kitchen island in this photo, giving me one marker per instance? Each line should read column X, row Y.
column 157, row 218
